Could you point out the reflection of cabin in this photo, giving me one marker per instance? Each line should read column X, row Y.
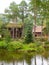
column 38, row 31
column 15, row 29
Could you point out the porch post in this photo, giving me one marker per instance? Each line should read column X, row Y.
column 13, row 33
column 16, row 32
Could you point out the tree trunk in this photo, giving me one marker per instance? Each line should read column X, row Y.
column 48, row 37
column 42, row 28
column 23, row 24
column 16, row 33
column 35, row 16
column 16, row 19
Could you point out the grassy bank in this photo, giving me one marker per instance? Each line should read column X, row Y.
column 20, row 46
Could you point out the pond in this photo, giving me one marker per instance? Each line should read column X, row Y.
column 24, row 58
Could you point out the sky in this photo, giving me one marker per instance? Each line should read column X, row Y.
column 5, row 3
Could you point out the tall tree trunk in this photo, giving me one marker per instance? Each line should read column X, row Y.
column 35, row 17
column 48, row 36
column 41, row 28
column 23, row 24
column 15, row 20
column 47, row 28
column 16, row 33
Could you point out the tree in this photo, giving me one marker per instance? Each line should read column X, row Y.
column 40, row 10
column 23, row 13
column 28, row 21
column 23, row 10
column 1, row 25
column 34, row 8
column 47, row 28
column 12, row 11
column 45, row 14
column 29, row 35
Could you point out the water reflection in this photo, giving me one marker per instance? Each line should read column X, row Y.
column 21, row 58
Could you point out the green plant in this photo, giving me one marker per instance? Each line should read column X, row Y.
column 6, row 35
column 29, row 35
column 47, row 42
column 3, row 44
column 14, row 45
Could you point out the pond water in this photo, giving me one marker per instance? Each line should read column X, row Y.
column 21, row 58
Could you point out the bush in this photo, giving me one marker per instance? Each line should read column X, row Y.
column 15, row 45
column 3, row 44
column 6, row 35
column 47, row 42
column 42, row 39
column 32, row 45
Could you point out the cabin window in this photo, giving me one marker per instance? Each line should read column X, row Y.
column 35, row 35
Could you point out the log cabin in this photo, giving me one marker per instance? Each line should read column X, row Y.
column 15, row 29
column 38, row 31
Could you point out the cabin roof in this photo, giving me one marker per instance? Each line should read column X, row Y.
column 14, row 24
column 38, row 29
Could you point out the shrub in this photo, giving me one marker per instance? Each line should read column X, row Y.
column 6, row 35
column 32, row 45
column 15, row 45
column 3, row 44
column 41, row 39
column 47, row 42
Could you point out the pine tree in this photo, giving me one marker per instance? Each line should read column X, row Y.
column 29, row 35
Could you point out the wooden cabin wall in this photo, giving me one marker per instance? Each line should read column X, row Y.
column 17, row 33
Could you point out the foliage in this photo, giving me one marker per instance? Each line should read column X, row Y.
column 13, row 8
column 23, row 10
column 6, row 35
column 19, row 46
column 43, row 39
column 28, row 22
column 47, row 42
column 3, row 44
column 47, row 25
column 14, row 45
column 46, row 29
column 1, row 23
column 34, row 13
column 29, row 35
